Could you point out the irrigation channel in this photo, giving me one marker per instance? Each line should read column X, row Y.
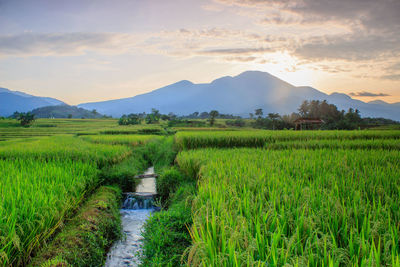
column 137, row 207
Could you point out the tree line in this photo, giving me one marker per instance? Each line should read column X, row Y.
column 332, row 118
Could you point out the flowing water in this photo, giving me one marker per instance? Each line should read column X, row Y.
column 136, row 209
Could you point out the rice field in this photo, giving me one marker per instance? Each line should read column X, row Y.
column 43, row 180
column 387, row 144
column 64, row 147
column 221, row 139
column 324, row 207
column 264, row 198
column 36, row 195
column 311, row 198
column 125, row 139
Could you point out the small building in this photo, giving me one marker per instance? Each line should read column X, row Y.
column 308, row 123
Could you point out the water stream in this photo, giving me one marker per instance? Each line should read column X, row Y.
column 137, row 207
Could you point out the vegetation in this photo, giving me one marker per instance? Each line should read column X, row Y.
column 166, row 235
column 131, row 119
column 244, row 197
column 132, row 140
column 311, row 208
column 36, row 196
column 65, row 147
column 85, row 239
column 26, row 119
column 65, row 111
column 220, row 139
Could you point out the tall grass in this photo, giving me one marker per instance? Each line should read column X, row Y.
column 36, row 195
column 64, row 147
column 299, row 207
column 193, row 140
column 388, row 144
column 132, row 140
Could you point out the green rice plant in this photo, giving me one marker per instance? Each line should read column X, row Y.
column 65, row 147
column 299, row 207
column 36, row 196
column 387, row 144
column 222, row 139
column 132, row 140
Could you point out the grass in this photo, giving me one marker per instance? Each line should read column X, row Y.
column 387, row 144
column 36, row 196
column 85, row 239
column 132, row 140
column 64, row 147
column 320, row 207
column 228, row 139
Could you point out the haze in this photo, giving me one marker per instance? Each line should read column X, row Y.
column 81, row 51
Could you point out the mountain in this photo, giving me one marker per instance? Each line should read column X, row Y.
column 237, row 95
column 11, row 101
column 65, row 111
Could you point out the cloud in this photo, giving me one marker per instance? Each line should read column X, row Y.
column 367, row 94
column 236, row 51
column 63, row 44
column 393, row 77
column 364, row 29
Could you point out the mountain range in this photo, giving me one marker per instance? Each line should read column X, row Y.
column 11, row 101
column 238, row 95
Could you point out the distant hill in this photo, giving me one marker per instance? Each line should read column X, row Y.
column 65, row 111
column 11, row 101
column 237, row 95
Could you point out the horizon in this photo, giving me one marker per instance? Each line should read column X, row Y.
column 376, row 99
column 81, row 51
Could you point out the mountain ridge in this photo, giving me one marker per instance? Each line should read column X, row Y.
column 237, row 95
column 11, row 101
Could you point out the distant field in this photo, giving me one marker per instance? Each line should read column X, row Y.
column 125, row 139
column 11, row 129
column 261, row 138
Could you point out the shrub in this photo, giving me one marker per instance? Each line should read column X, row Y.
column 166, row 236
column 168, row 182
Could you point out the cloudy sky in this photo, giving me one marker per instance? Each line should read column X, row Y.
column 92, row 50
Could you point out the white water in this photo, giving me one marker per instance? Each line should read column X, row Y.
column 126, row 252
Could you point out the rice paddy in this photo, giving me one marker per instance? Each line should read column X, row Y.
column 332, row 201
column 220, row 139
column 264, row 198
column 43, row 179
column 125, row 139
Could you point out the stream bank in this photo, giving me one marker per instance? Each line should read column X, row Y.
column 136, row 209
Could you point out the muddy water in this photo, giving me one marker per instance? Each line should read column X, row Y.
column 136, row 209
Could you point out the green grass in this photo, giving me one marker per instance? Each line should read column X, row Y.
column 85, row 239
column 300, row 207
column 222, row 139
column 388, row 144
column 36, row 195
column 64, row 147
column 132, row 140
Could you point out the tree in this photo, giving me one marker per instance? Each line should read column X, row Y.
column 273, row 117
column 130, row 119
column 213, row 115
column 69, row 116
column 259, row 113
column 26, row 119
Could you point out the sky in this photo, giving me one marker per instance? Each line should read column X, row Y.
column 94, row 50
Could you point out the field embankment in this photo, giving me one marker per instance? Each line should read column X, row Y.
column 88, row 235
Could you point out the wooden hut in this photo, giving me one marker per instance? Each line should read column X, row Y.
column 307, row 123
